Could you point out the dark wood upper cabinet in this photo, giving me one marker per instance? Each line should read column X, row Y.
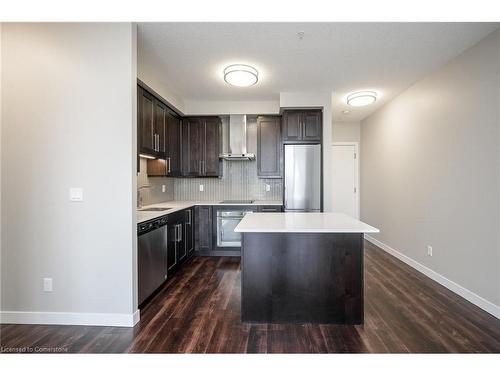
column 146, row 133
column 211, row 164
column 302, row 126
column 160, row 115
column 192, row 146
column 173, row 145
column 292, row 126
column 269, row 146
column 201, row 140
column 312, row 129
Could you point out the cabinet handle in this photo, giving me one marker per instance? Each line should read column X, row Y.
column 180, row 232
column 189, row 217
column 168, row 165
column 200, row 168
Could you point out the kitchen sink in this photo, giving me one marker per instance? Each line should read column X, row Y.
column 156, row 209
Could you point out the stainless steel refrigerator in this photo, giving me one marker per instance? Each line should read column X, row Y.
column 303, row 178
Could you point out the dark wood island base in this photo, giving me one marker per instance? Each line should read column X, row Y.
column 302, row 278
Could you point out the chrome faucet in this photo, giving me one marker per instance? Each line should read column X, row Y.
column 139, row 197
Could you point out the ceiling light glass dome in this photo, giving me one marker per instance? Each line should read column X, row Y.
column 241, row 75
column 361, row 98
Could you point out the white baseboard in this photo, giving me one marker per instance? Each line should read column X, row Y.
column 69, row 318
column 447, row 283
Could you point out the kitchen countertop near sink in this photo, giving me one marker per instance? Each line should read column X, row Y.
column 175, row 206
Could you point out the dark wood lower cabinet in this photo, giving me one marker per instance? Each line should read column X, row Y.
column 203, row 228
column 189, row 231
column 171, row 248
column 302, row 278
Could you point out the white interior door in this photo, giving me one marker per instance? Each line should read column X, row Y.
column 345, row 179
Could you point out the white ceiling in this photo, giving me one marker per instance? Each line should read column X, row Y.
column 338, row 57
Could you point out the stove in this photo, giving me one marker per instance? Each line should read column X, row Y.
column 238, row 201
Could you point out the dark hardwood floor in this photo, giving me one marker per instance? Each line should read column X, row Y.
column 198, row 311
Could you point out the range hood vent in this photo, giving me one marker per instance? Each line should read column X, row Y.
column 237, row 139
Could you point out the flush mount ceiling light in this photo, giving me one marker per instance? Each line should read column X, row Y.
column 241, row 75
column 361, row 98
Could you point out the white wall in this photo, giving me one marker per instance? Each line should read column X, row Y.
column 200, row 107
column 324, row 100
column 431, row 173
column 68, row 120
column 346, row 132
column 148, row 72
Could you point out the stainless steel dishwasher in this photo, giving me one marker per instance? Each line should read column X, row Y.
column 152, row 256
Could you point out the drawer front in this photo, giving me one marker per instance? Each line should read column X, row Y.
column 270, row 209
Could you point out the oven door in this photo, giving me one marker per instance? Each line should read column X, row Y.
column 226, row 222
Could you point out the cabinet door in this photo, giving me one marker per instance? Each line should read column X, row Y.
column 292, row 126
column 146, row 122
column 188, row 226
column 270, row 209
column 181, row 241
column 312, row 127
column 160, row 113
column 192, row 146
column 172, row 246
column 203, row 228
column 269, row 147
column 212, row 135
column 173, row 145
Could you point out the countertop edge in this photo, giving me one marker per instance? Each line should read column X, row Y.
column 307, row 231
column 179, row 206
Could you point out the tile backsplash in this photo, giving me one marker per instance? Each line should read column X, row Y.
column 239, row 180
column 154, row 194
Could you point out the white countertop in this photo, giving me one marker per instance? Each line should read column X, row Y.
column 302, row 222
column 182, row 205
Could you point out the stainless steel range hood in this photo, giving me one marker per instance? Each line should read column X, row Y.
column 237, row 139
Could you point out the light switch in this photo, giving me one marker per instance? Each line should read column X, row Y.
column 47, row 284
column 202, row 187
column 76, row 194
column 268, row 187
column 163, row 188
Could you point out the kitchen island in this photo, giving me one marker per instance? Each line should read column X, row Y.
column 302, row 268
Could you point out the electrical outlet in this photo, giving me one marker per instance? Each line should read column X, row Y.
column 429, row 250
column 47, row 284
column 202, row 187
column 163, row 188
column 76, row 194
column 268, row 187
